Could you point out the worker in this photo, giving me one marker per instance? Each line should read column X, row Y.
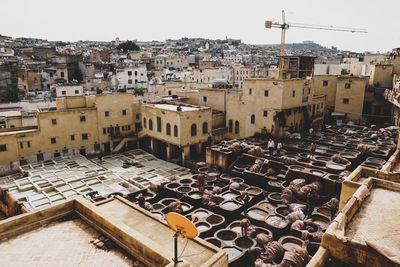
column 271, row 146
column 141, row 200
column 312, row 150
column 245, row 198
column 311, row 131
column 278, row 148
column 201, row 181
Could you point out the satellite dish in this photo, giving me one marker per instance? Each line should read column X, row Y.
column 181, row 226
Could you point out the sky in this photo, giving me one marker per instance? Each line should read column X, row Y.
column 147, row 20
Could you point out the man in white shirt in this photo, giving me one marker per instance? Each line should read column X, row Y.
column 271, row 146
column 278, row 148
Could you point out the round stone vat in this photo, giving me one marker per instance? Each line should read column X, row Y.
column 290, row 242
column 244, row 242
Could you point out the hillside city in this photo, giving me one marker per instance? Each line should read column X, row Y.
column 111, row 151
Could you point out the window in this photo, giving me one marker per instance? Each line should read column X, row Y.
column 28, row 143
column 3, row 148
column 83, row 118
column 253, row 119
column 63, row 92
column 193, row 130
column 62, row 74
column 204, row 99
column 150, row 125
column 54, row 121
column 85, row 136
column 137, row 116
column 104, row 130
column 129, row 73
column 123, row 128
column 175, row 131
column 124, row 112
column 159, row 124
column 53, row 140
column 144, row 123
column 266, row 93
column 293, row 93
column 130, row 81
column 347, row 85
column 250, row 91
column 205, row 127
column 21, row 144
column 129, row 127
column 76, row 92
column 265, row 113
column 107, row 113
column 168, row 129
column 72, row 137
column 346, row 101
column 135, row 73
column 324, row 83
column 236, row 127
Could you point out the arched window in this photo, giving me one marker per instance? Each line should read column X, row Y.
column 150, row 125
column 144, row 123
column 236, row 127
column 230, row 126
column 205, row 127
column 168, row 129
column 175, row 131
column 253, row 119
column 193, row 130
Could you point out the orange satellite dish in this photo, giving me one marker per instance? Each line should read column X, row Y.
column 181, row 224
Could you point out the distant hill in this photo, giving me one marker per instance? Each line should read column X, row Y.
column 306, row 45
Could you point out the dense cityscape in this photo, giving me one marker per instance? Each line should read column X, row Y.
column 272, row 155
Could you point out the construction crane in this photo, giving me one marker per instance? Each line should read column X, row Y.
column 285, row 26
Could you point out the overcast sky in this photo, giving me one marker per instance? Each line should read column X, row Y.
column 147, row 20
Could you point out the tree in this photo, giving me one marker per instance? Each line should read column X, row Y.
column 9, row 95
column 138, row 92
column 344, row 72
column 128, row 46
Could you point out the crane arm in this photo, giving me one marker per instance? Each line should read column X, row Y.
column 327, row 28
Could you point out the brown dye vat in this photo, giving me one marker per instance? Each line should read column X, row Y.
column 290, row 243
column 158, row 206
column 324, row 211
column 325, row 159
column 184, row 189
column 322, row 221
column 202, row 226
column 167, row 201
column 319, row 163
column 303, row 155
column 371, row 165
column 186, row 181
column 266, row 206
column 173, row 185
column 335, row 168
column 214, row 241
column 253, row 190
column 376, row 160
column 244, row 242
column 257, row 214
column 296, row 168
column 304, row 160
column 283, row 211
column 333, row 177
column 229, row 205
column 274, row 186
column 226, row 235
column 275, row 198
column 214, row 219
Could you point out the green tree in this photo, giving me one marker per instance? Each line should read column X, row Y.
column 138, row 92
column 344, row 72
column 9, row 95
column 128, row 46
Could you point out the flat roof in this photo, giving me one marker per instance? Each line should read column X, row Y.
column 61, row 243
column 17, row 132
column 10, row 113
column 174, row 107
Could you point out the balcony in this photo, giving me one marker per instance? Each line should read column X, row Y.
column 393, row 96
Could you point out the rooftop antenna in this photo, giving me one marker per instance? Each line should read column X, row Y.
column 182, row 227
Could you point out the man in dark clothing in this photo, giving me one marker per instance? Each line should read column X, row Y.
column 209, row 140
